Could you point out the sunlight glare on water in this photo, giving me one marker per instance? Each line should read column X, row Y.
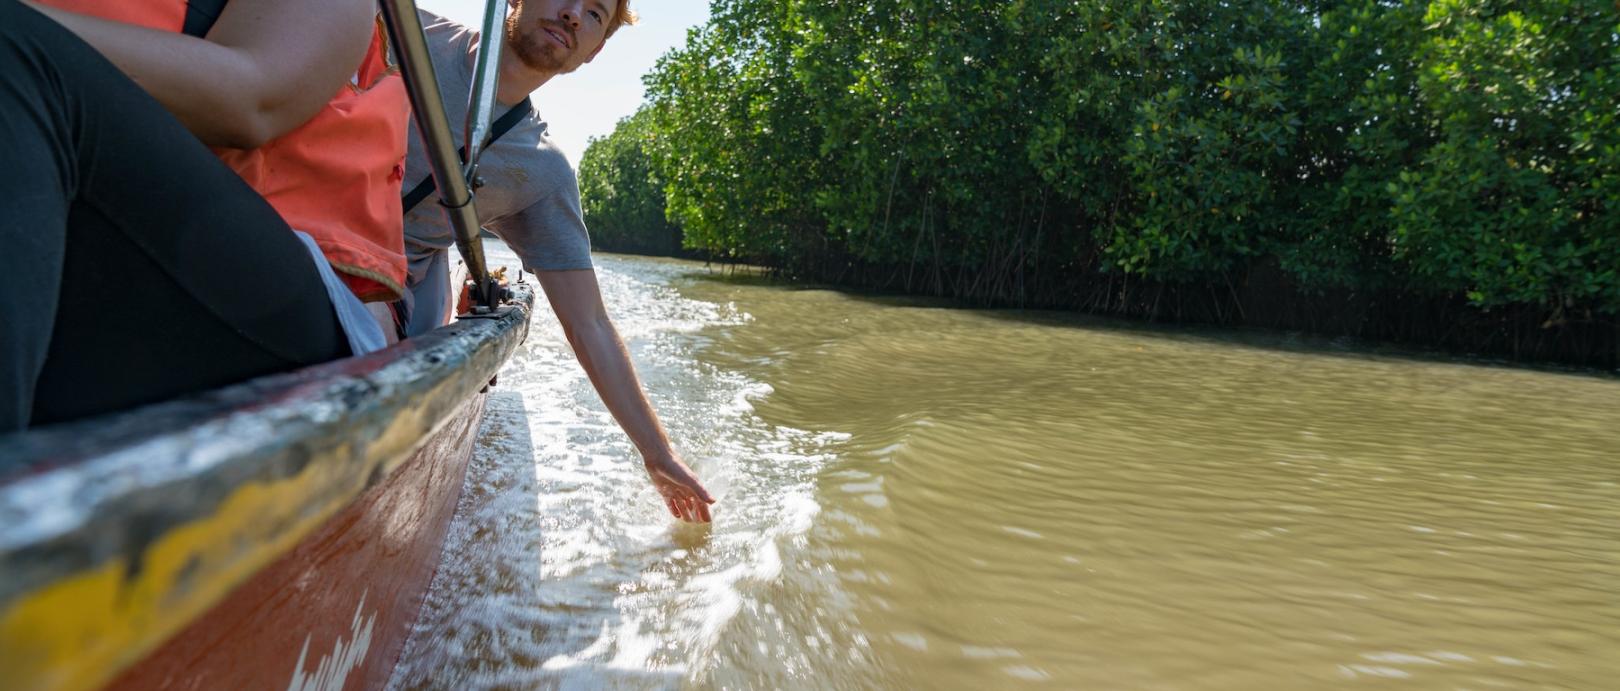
column 918, row 497
column 562, row 567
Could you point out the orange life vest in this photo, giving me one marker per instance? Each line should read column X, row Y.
column 336, row 177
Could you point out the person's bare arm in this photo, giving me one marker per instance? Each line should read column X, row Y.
column 266, row 67
column 577, row 300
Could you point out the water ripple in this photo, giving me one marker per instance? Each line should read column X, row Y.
column 916, row 497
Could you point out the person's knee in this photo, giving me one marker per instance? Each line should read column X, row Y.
column 21, row 28
column 34, row 50
column 17, row 49
column 10, row 10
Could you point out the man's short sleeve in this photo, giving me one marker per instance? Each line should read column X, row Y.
column 550, row 234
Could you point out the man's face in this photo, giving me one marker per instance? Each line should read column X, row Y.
column 557, row 36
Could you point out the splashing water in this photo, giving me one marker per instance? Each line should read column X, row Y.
column 561, row 566
column 916, row 497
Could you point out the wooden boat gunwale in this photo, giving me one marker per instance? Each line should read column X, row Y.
column 115, row 533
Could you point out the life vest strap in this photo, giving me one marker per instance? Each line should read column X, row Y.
column 501, row 126
column 201, row 15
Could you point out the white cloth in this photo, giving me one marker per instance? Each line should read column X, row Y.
column 363, row 332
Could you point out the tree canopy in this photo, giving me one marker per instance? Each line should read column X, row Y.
column 1015, row 150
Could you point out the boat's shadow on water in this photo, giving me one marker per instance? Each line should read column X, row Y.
column 491, row 558
column 494, row 618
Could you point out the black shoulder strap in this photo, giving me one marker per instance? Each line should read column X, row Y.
column 501, row 126
column 201, row 15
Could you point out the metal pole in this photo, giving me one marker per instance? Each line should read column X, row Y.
column 481, row 103
column 416, row 65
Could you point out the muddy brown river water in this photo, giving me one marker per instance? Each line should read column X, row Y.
column 917, row 497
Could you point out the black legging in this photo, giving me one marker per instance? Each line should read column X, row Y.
column 134, row 265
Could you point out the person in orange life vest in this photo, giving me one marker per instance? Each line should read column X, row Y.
column 139, row 266
column 254, row 90
column 531, row 200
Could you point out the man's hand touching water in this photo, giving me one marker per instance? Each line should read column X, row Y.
column 576, row 298
column 683, row 494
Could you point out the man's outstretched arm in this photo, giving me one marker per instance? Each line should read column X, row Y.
column 577, row 300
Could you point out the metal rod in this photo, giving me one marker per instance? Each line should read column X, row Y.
column 481, row 103
column 416, row 65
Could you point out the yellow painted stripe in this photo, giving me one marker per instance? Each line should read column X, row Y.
column 80, row 631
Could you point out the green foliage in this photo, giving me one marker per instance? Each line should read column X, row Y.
column 732, row 123
column 1451, row 147
column 1514, row 202
column 621, row 194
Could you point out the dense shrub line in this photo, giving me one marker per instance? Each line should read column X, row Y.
column 623, row 196
column 1459, row 154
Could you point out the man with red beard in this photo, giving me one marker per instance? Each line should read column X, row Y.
column 530, row 199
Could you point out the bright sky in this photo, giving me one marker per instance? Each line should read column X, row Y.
column 590, row 101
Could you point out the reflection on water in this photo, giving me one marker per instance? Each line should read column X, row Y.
column 916, row 497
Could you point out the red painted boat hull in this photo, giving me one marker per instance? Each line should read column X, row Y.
column 335, row 611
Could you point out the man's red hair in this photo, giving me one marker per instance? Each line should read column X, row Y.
column 622, row 16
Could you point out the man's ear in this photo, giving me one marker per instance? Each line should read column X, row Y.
column 513, row 4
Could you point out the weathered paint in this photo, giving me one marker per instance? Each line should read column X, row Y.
column 367, row 569
column 118, row 534
column 332, row 673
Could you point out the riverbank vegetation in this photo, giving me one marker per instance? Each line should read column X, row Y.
column 1442, row 172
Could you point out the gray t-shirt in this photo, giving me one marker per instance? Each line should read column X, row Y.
column 530, row 198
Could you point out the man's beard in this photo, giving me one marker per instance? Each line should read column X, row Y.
column 535, row 49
